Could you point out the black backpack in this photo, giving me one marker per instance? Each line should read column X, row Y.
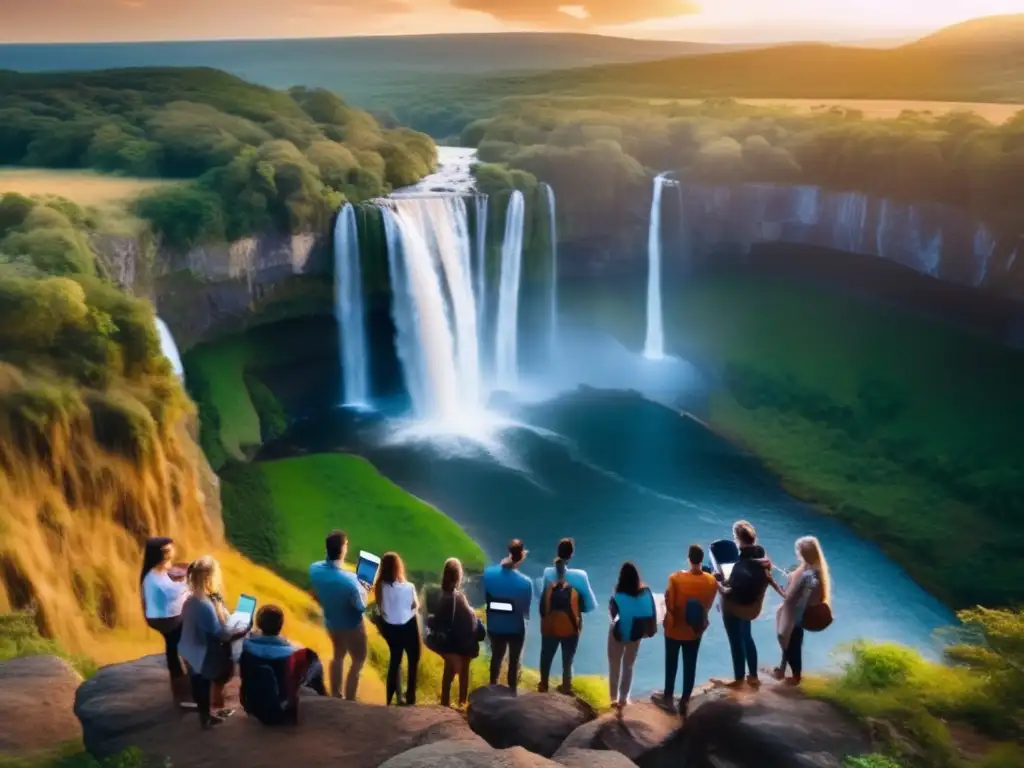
column 261, row 696
column 747, row 582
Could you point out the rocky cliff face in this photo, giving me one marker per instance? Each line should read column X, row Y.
column 215, row 289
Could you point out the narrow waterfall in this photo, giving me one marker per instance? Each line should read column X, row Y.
column 169, row 348
column 654, row 345
column 481, row 263
column 549, row 193
column 348, row 311
column 506, row 340
column 429, row 260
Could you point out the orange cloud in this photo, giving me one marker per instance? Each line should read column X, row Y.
column 575, row 13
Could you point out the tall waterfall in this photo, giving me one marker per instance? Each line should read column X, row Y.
column 654, row 345
column 506, row 340
column 348, row 310
column 481, row 262
column 169, row 348
column 432, row 296
column 549, row 193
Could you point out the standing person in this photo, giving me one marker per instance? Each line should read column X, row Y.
column 809, row 586
column 454, row 633
column 164, row 592
column 566, row 596
column 399, row 612
column 504, row 584
column 340, row 595
column 743, row 597
column 688, row 600
column 205, row 640
column 634, row 617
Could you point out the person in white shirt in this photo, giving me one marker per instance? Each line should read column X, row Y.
column 398, row 607
column 164, row 592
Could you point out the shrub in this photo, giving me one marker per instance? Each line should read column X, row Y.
column 19, row 636
column 273, row 422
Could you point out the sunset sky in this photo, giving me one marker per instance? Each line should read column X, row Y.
column 708, row 20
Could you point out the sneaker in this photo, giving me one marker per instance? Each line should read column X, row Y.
column 665, row 702
column 213, row 722
column 753, row 681
column 225, row 713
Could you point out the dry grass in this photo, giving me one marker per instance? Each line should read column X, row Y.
column 879, row 108
column 82, row 187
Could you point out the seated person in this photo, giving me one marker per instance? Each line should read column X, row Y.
column 273, row 670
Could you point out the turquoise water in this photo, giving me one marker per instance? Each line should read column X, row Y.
column 633, row 480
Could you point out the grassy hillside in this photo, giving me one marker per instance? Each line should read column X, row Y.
column 902, row 427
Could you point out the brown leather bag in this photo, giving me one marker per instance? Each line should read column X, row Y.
column 746, row 612
column 817, row 618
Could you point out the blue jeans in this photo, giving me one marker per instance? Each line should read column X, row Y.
column 689, row 649
column 548, row 648
column 741, row 643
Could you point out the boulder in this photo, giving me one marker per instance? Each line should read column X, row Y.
column 127, row 705
column 592, row 758
column 539, row 722
column 37, row 697
column 775, row 727
column 641, row 728
column 452, row 754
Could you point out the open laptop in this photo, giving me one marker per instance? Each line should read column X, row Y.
column 366, row 569
column 244, row 613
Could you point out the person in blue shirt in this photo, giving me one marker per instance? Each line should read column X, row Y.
column 503, row 583
column 577, row 579
column 341, row 597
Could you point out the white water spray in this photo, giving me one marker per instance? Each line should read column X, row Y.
column 507, row 337
column 481, row 263
column 549, row 193
column 348, row 310
column 169, row 348
column 654, row 345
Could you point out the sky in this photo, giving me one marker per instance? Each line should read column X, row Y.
column 699, row 20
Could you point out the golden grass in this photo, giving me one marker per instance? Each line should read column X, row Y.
column 879, row 108
column 82, row 187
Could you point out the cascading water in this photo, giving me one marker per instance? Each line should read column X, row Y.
column 348, row 310
column 507, row 337
column 169, row 348
column 549, row 193
column 654, row 345
column 481, row 263
column 431, row 281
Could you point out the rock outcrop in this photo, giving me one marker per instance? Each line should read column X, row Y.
column 641, row 728
column 37, row 695
column 127, row 705
column 467, row 755
column 538, row 722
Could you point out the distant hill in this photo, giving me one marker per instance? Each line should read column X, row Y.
column 982, row 60
column 367, row 70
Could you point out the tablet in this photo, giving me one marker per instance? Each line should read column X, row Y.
column 500, row 607
column 366, row 568
column 245, row 611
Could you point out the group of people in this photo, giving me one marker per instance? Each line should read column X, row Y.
column 185, row 604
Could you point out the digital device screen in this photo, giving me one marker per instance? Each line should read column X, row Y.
column 246, row 605
column 500, row 607
column 366, row 568
column 727, row 570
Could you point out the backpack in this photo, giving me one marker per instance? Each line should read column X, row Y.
column 261, row 695
column 696, row 616
column 560, row 611
column 747, row 582
column 643, row 627
column 817, row 618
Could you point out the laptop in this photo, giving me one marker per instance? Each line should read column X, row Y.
column 366, row 568
column 243, row 614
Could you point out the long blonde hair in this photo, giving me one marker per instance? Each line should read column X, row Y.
column 808, row 549
column 205, row 580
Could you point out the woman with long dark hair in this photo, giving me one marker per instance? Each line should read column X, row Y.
column 164, row 592
column 634, row 617
column 399, row 607
column 455, row 633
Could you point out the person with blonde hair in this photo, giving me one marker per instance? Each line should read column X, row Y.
column 206, row 640
column 454, row 633
column 809, row 586
column 399, row 608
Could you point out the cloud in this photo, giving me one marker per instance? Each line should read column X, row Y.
column 575, row 13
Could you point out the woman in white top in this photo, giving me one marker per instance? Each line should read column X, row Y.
column 398, row 607
column 164, row 592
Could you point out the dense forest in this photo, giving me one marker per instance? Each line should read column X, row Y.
column 255, row 158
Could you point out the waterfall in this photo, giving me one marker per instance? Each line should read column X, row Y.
column 481, row 263
column 506, row 343
column 654, row 345
column 169, row 348
column 549, row 193
column 429, row 254
column 348, row 310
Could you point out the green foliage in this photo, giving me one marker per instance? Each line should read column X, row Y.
column 250, row 519
column 183, row 215
column 273, row 422
column 73, row 755
column 870, row 761
column 48, row 235
column 19, row 636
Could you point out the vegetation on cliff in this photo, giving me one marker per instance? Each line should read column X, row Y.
column 260, row 159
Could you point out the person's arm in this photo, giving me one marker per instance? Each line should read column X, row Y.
column 415, row 599
column 613, row 608
column 356, row 599
column 589, row 598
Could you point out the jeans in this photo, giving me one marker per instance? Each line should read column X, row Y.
column 201, row 688
column 741, row 643
column 347, row 642
column 170, row 628
column 548, row 648
column 402, row 639
column 793, row 655
column 689, row 649
column 621, row 659
column 514, row 645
